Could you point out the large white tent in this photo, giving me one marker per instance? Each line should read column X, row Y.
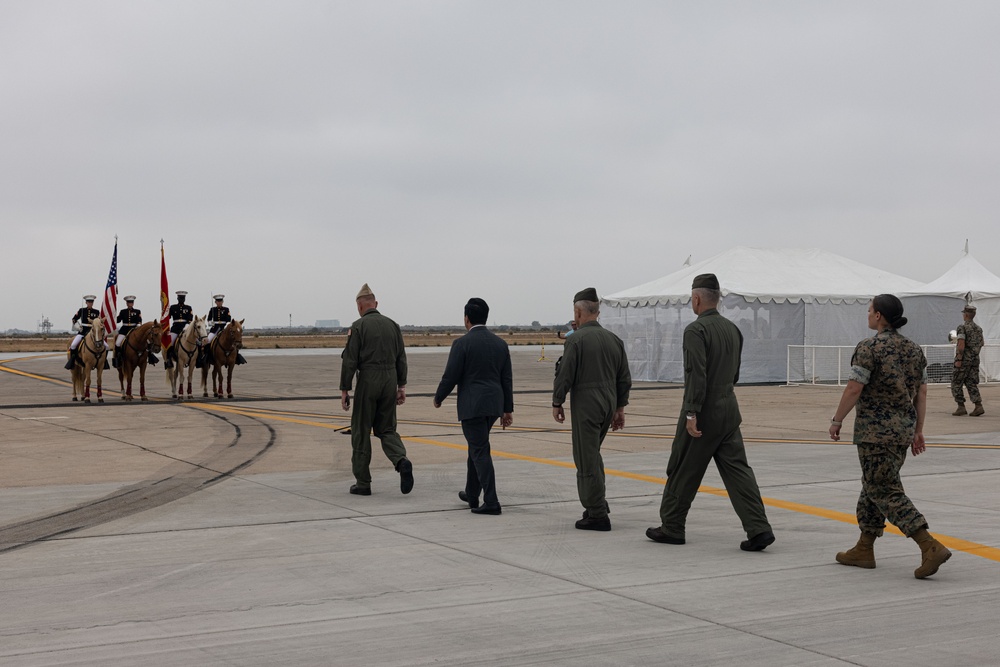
column 935, row 309
column 778, row 297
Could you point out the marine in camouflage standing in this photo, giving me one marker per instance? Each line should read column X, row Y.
column 888, row 391
column 374, row 351
column 966, row 373
column 594, row 370
column 708, row 428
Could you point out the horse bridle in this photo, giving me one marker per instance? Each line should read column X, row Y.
column 149, row 342
column 225, row 352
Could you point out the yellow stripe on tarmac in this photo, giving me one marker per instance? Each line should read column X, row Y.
column 958, row 544
column 14, row 371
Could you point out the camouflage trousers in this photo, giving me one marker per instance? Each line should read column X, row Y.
column 966, row 376
column 882, row 496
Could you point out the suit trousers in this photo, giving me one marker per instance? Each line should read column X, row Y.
column 689, row 459
column 374, row 411
column 479, row 476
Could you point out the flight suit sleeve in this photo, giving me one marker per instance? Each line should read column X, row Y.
column 567, row 372
column 401, row 369
column 623, row 383
column 695, row 369
column 349, row 359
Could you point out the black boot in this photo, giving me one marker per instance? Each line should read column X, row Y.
column 201, row 358
column 73, row 356
column 151, row 358
column 169, row 363
column 239, row 359
column 116, row 357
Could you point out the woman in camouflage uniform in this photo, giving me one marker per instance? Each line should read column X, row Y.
column 888, row 388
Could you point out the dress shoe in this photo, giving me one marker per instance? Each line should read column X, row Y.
column 657, row 535
column 758, row 542
column 405, row 469
column 590, row 523
column 361, row 490
column 464, row 497
column 486, row 509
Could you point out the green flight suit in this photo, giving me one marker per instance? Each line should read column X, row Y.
column 594, row 370
column 712, row 349
column 375, row 352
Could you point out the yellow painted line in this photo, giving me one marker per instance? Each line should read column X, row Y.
column 958, row 544
column 14, row 371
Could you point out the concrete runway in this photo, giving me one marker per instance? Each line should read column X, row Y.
column 222, row 533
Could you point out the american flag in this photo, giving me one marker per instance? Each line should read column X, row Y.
column 109, row 306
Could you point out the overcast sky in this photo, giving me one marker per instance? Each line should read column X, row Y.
column 288, row 152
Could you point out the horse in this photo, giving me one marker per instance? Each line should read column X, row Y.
column 91, row 354
column 186, row 347
column 222, row 353
column 139, row 343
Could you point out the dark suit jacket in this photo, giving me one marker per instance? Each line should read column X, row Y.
column 479, row 364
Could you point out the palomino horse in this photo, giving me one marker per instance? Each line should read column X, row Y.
column 136, row 348
column 186, row 347
column 222, row 353
column 92, row 354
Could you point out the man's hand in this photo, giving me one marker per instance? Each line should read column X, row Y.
column 401, row 396
column 835, row 432
column 618, row 420
column 692, row 427
column 918, row 446
column 345, row 401
column 958, row 363
column 558, row 414
column 506, row 420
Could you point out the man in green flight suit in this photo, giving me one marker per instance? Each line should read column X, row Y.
column 594, row 369
column 709, row 425
column 375, row 352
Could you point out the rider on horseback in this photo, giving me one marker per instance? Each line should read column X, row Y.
column 82, row 321
column 180, row 315
column 218, row 318
column 129, row 318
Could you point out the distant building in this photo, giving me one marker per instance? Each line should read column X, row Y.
column 327, row 324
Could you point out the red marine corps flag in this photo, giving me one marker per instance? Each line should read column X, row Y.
column 164, row 302
column 109, row 305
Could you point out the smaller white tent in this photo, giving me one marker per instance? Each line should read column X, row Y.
column 935, row 309
column 777, row 296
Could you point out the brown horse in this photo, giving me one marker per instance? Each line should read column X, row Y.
column 92, row 354
column 139, row 343
column 222, row 354
column 186, row 347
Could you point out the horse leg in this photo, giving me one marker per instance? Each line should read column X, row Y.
column 229, row 380
column 142, row 382
column 204, row 380
column 100, row 372
column 86, row 386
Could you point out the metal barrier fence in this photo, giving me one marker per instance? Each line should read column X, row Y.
column 830, row 365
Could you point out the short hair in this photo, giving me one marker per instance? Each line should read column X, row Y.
column 477, row 310
column 708, row 295
column 591, row 307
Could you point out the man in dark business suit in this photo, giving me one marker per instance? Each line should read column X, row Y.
column 479, row 363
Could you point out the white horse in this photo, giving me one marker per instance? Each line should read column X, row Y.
column 187, row 353
column 92, row 354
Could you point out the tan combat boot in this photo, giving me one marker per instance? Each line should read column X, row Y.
column 960, row 411
column 978, row 411
column 861, row 554
column 934, row 554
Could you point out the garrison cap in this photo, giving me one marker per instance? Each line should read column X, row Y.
column 89, row 297
column 364, row 291
column 589, row 294
column 129, row 299
column 181, row 293
column 219, row 297
column 969, row 309
column 705, row 280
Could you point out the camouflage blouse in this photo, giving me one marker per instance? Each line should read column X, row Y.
column 972, row 334
column 891, row 367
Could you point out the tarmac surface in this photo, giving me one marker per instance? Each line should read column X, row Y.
column 221, row 532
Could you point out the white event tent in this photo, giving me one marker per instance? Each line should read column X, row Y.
column 935, row 309
column 776, row 296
